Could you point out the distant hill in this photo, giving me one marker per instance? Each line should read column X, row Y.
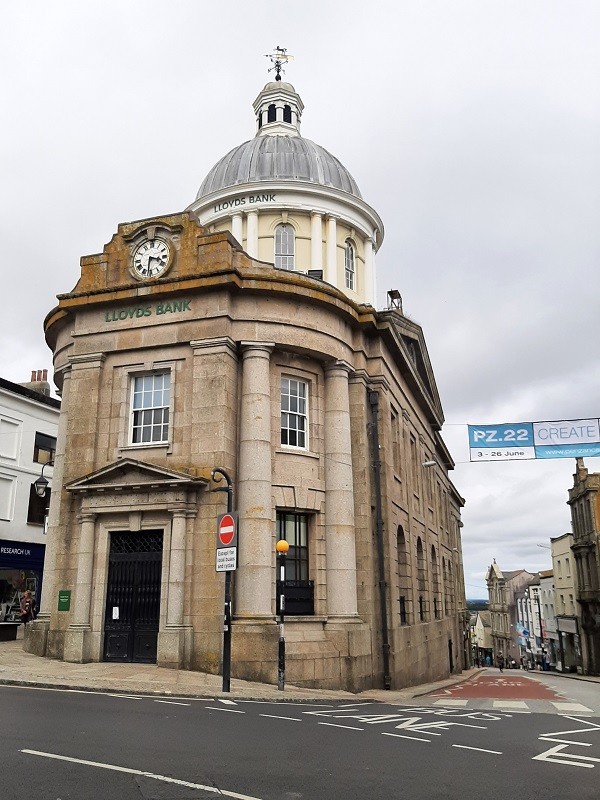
column 477, row 605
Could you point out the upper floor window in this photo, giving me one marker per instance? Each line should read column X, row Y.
column 284, row 246
column 44, row 448
column 294, row 412
column 150, row 408
column 271, row 113
column 287, row 113
column 349, row 264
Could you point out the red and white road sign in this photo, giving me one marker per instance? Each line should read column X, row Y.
column 226, row 530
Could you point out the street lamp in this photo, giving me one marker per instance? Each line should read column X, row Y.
column 41, row 484
column 282, row 547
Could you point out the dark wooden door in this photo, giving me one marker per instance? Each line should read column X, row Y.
column 133, row 596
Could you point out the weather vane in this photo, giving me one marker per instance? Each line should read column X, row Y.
column 278, row 57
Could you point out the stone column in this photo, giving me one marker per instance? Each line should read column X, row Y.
column 254, row 577
column 316, row 241
column 370, row 291
column 252, row 234
column 77, row 634
column 331, row 266
column 237, row 228
column 339, row 495
column 36, row 634
column 171, row 650
column 177, row 568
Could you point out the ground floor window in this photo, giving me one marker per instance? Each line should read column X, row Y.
column 299, row 589
column 13, row 583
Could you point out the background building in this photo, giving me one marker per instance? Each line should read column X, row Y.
column 503, row 588
column 568, row 623
column 28, row 427
column 193, row 354
column 584, row 499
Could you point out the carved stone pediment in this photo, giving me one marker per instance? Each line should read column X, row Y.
column 130, row 475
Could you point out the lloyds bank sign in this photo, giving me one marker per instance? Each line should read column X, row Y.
column 152, row 310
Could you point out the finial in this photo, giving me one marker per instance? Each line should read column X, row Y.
column 278, row 58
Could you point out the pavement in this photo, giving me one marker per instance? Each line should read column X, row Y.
column 19, row 668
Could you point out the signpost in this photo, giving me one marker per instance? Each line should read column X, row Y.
column 226, row 562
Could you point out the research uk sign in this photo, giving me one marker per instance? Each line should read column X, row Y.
column 518, row 441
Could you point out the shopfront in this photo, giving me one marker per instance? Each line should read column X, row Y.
column 21, row 567
column 570, row 645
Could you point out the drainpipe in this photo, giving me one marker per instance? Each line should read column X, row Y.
column 375, row 447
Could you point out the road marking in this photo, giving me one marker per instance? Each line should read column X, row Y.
column 172, row 702
column 450, row 702
column 401, row 736
column 227, row 702
column 333, row 725
column 479, row 749
column 218, row 708
column 275, row 716
column 355, row 705
column 554, row 754
column 128, row 696
column 572, row 708
column 164, row 778
column 509, row 704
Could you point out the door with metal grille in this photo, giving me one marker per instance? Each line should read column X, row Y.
column 133, row 596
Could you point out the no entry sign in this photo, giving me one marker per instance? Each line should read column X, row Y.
column 226, row 542
column 226, row 531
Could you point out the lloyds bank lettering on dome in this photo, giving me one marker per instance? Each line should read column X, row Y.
column 249, row 199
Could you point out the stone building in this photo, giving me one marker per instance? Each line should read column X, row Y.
column 242, row 334
column 584, row 499
column 568, row 620
column 503, row 588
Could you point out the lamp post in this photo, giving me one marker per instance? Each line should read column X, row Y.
column 41, row 486
column 216, row 474
column 282, row 547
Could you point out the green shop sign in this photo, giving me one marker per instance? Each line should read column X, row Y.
column 64, row 599
column 157, row 309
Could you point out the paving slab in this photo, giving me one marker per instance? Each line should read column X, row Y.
column 18, row 667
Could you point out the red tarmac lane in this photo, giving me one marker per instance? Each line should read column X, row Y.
column 502, row 686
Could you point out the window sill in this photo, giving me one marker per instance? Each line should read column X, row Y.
column 134, row 448
column 296, row 451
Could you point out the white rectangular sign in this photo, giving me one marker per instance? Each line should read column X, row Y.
column 226, row 559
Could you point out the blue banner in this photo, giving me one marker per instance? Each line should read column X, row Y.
column 571, row 438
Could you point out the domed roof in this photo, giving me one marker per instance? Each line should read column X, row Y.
column 278, row 158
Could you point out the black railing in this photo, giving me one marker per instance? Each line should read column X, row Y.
column 299, row 597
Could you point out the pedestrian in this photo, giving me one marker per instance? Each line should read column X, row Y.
column 501, row 662
column 27, row 606
column 488, row 661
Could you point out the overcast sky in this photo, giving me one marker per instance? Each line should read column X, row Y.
column 472, row 127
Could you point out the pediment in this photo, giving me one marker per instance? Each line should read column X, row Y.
column 415, row 358
column 132, row 475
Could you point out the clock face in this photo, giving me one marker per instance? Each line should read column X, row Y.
column 151, row 258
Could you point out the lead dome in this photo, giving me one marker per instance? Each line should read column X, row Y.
column 291, row 203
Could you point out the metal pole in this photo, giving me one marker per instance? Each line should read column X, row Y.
column 282, row 547
column 216, row 475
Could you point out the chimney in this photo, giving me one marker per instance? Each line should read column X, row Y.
column 39, row 382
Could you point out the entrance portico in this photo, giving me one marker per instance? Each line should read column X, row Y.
column 130, row 498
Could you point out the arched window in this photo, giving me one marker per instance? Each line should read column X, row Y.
column 271, row 113
column 421, row 580
column 287, row 114
column 404, row 580
column 349, row 264
column 284, row 246
column 435, row 579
